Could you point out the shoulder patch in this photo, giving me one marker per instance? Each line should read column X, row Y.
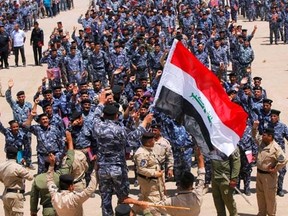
column 281, row 158
column 143, row 163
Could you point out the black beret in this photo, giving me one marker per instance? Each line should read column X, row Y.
column 57, row 87
column 276, row 112
column 148, row 135
column 12, row 122
column 257, row 88
column 232, row 91
column 84, row 83
column 46, row 105
column 269, row 101
column 246, row 87
column 110, row 110
column 122, row 210
column 42, row 115
column 143, row 78
column 75, row 115
column 269, row 131
column 116, row 89
column 67, row 179
column 138, row 87
column 47, row 91
column 20, row 93
column 257, row 78
column 86, row 101
column 232, row 74
column 83, row 92
column 155, row 125
column 11, row 150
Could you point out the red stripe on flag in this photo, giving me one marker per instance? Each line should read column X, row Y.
column 231, row 114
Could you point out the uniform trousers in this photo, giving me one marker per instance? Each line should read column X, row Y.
column 13, row 204
column 223, row 196
column 266, row 187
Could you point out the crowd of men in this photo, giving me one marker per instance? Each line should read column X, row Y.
column 96, row 107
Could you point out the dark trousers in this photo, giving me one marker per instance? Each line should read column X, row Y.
column 274, row 30
column 16, row 53
column 37, row 51
column 4, row 58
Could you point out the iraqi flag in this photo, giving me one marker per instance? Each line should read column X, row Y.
column 191, row 92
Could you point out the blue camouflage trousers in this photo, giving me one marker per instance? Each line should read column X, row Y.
column 245, row 171
column 281, row 173
column 112, row 179
column 182, row 162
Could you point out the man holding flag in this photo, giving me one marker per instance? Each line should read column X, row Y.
column 190, row 91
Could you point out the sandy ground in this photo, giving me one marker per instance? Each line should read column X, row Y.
column 270, row 63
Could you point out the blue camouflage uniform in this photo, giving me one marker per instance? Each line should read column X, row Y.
column 245, row 144
column 264, row 120
column 85, row 22
column 119, row 60
column 246, row 57
column 48, row 140
column 58, row 104
column 57, row 121
column 74, row 69
column 57, row 64
column 202, row 57
column 112, row 140
column 140, row 60
column 154, row 61
column 20, row 141
column 274, row 25
column 26, row 12
column 182, row 145
column 281, row 132
column 20, row 114
column 218, row 56
column 97, row 65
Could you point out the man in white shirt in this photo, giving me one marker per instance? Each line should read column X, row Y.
column 18, row 40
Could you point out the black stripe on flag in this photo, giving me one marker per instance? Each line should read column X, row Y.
column 177, row 107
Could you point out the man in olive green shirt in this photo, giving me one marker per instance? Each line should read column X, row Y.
column 40, row 190
column 222, row 190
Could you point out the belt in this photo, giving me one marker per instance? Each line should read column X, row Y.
column 262, row 171
column 182, row 149
column 73, row 72
column 142, row 176
column 48, row 205
column 9, row 190
column 98, row 68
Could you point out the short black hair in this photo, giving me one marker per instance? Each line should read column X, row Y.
column 186, row 180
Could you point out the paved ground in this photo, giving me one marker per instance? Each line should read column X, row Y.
column 270, row 63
